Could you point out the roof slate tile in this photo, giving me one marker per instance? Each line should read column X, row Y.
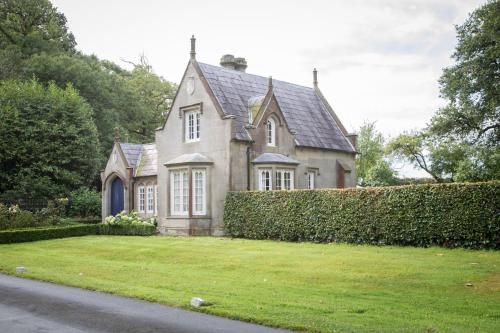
column 303, row 110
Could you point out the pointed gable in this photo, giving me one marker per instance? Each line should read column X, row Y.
column 303, row 110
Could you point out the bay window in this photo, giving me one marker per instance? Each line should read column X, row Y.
column 284, row 179
column 179, row 192
column 188, row 196
column 199, row 192
column 265, row 180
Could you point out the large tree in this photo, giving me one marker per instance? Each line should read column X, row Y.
column 29, row 27
column 472, row 84
column 461, row 142
column 48, row 141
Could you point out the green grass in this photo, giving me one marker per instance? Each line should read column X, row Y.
column 309, row 287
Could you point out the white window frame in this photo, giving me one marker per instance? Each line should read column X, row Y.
column 150, row 201
column 281, row 181
column 183, row 192
column 268, row 174
column 192, row 125
column 141, row 199
column 156, row 200
column 199, row 199
column 311, row 180
column 271, row 132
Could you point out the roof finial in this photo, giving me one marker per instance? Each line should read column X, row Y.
column 117, row 134
column 315, row 78
column 270, row 83
column 193, row 48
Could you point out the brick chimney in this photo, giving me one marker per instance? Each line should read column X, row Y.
column 230, row 62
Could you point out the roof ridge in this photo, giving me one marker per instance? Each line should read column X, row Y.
column 259, row 76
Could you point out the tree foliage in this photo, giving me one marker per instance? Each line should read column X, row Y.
column 48, row 141
column 371, row 165
column 472, row 84
column 35, row 43
column 461, row 143
column 155, row 95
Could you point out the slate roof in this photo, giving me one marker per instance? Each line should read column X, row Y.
column 148, row 161
column 142, row 157
column 304, row 112
column 275, row 159
column 131, row 152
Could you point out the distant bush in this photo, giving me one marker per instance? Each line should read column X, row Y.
column 451, row 215
column 85, row 203
column 13, row 217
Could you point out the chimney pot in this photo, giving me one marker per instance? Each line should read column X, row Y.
column 193, row 48
column 315, row 78
column 230, row 62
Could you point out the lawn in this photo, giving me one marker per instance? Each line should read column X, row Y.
column 308, row 287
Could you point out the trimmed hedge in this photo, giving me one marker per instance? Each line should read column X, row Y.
column 131, row 230
column 35, row 234
column 30, row 235
column 450, row 215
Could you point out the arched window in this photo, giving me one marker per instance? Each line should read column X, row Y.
column 265, row 181
column 271, row 132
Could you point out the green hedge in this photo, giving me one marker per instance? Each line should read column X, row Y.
column 451, row 215
column 132, row 230
column 35, row 234
column 29, row 235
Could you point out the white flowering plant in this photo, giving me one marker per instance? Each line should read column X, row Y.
column 131, row 218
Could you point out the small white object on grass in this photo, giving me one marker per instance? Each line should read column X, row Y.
column 20, row 269
column 197, row 302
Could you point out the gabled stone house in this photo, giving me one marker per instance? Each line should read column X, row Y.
column 228, row 131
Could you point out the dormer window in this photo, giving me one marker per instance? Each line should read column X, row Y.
column 271, row 132
column 192, row 123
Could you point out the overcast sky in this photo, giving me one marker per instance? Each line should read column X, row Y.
column 377, row 60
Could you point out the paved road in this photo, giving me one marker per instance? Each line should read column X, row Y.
column 33, row 306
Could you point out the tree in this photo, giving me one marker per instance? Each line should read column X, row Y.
column 135, row 101
column 29, row 27
column 371, row 167
column 48, row 141
column 461, row 142
column 411, row 147
column 471, row 85
column 34, row 26
column 155, row 95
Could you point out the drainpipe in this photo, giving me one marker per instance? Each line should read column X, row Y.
column 248, row 166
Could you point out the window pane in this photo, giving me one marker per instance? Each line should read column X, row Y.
column 278, row 180
column 179, row 192
column 197, row 125
column 199, row 200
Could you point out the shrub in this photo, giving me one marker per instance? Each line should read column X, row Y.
column 14, row 217
column 131, row 218
column 85, row 203
column 29, row 235
column 452, row 215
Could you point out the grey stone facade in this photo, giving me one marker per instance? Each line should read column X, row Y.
column 226, row 128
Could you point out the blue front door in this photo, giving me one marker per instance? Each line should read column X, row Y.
column 116, row 196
